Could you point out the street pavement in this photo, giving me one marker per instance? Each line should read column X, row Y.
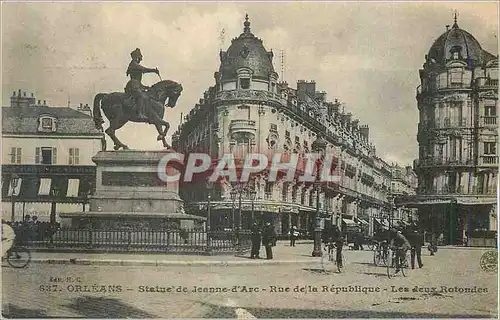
column 306, row 289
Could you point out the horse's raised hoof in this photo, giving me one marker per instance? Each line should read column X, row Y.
column 166, row 145
column 125, row 147
column 116, row 147
column 160, row 137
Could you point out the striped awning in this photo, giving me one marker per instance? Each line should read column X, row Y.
column 350, row 222
column 44, row 189
column 363, row 221
column 73, row 185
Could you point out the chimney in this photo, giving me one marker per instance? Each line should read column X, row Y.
column 81, row 106
column 364, row 130
column 305, row 87
column 38, row 102
column 19, row 93
column 24, row 94
column 14, row 94
column 355, row 123
column 32, row 94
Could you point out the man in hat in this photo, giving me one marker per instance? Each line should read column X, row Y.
column 256, row 239
column 269, row 239
column 134, row 86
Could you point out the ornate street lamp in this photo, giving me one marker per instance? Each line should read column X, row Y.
column 209, row 236
column 233, row 198
column 253, row 194
column 319, row 146
column 14, row 180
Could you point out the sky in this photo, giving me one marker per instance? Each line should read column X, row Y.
column 367, row 55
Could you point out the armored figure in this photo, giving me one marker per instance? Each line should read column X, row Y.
column 134, row 86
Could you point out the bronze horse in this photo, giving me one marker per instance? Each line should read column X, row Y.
column 119, row 108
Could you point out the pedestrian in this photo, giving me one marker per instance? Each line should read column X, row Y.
column 294, row 233
column 432, row 246
column 256, row 239
column 416, row 241
column 269, row 239
column 359, row 240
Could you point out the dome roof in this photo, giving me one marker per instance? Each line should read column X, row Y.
column 458, row 40
column 246, row 51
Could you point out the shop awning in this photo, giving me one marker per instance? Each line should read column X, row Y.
column 73, row 185
column 349, row 222
column 44, row 189
column 51, row 183
column 363, row 221
column 17, row 189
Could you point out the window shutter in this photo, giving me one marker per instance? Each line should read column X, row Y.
column 77, row 156
column 70, row 156
column 54, row 155
column 37, row 155
column 12, row 155
column 18, row 155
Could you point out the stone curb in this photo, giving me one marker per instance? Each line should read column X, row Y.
column 161, row 263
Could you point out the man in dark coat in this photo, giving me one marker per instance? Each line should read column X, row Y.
column 256, row 238
column 269, row 239
column 416, row 240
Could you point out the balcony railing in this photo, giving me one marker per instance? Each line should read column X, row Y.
column 491, row 83
column 489, row 120
column 489, row 159
column 242, row 125
column 431, row 162
column 457, row 190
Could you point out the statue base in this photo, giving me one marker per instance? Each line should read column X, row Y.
column 130, row 194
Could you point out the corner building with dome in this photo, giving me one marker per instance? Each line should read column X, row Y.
column 249, row 111
column 457, row 166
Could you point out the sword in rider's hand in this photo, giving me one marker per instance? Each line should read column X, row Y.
column 158, row 73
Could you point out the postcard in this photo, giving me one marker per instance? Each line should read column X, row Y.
column 249, row 160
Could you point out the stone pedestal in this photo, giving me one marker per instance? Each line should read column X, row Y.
column 130, row 194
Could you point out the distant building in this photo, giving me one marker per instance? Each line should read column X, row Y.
column 248, row 110
column 51, row 150
column 404, row 183
column 457, row 166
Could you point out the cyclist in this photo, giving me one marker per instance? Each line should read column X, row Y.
column 8, row 237
column 401, row 244
column 336, row 237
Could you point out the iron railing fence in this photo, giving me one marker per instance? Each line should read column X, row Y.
column 162, row 241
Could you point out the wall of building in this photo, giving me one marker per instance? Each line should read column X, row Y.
column 87, row 148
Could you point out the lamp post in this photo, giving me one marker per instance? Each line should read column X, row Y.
column 319, row 146
column 14, row 181
column 240, row 191
column 233, row 198
column 253, row 194
column 209, row 236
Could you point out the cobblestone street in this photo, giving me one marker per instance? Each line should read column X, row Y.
column 44, row 290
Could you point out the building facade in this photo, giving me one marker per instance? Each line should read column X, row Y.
column 249, row 110
column 50, row 149
column 403, row 184
column 457, row 166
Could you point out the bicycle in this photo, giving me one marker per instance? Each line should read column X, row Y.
column 392, row 263
column 331, row 249
column 380, row 254
column 18, row 257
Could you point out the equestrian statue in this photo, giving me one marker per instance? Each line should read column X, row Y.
column 138, row 103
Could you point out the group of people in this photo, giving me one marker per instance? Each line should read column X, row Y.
column 265, row 235
column 32, row 229
column 403, row 240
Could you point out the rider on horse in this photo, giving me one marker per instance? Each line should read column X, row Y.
column 134, row 86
